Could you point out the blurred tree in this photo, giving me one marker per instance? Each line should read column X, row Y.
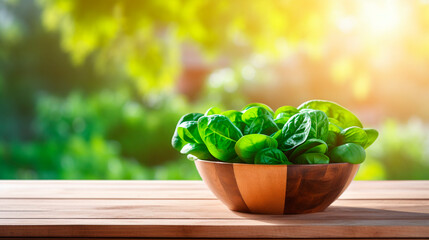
column 32, row 62
column 144, row 39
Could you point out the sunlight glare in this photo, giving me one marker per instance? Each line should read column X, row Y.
column 381, row 18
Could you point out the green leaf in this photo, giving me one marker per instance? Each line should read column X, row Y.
column 295, row 131
column 188, row 132
column 258, row 121
column 235, row 117
column 176, row 141
column 248, row 106
column 310, row 146
column 343, row 116
column 334, row 126
column 306, row 124
column 220, row 136
column 348, row 153
column 212, row 111
column 277, row 135
column 372, row 136
column 319, row 125
column 198, row 150
column 263, row 125
column 312, row 158
column 250, row 114
column 271, row 156
column 249, row 145
column 332, row 140
column 285, row 111
column 281, row 121
column 354, row 135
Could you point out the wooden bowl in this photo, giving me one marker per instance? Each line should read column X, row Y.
column 276, row 189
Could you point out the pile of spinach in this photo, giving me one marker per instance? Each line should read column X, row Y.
column 317, row 132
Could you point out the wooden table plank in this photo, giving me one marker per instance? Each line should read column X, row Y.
column 203, row 209
column 186, row 189
column 387, row 209
column 212, row 228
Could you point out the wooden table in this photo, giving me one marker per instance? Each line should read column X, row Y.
column 186, row 209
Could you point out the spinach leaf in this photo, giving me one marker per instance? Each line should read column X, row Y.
column 334, row 125
column 277, row 135
column 281, row 121
column 310, row 146
column 220, row 136
column 312, row 158
column 235, row 117
column 258, row 121
column 354, row 135
column 176, row 141
column 261, row 125
column 212, row 111
column 249, row 145
column 271, row 156
column 295, row 131
column 253, row 113
column 343, row 116
column 304, row 125
column 188, row 132
column 319, row 125
column 285, row 111
column 198, row 150
column 372, row 136
column 248, row 106
column 332, row 140
column 348, row 153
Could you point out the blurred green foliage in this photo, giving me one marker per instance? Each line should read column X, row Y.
column 104, row 136
column 144, row 38
column 88, row 89
column 401, row 152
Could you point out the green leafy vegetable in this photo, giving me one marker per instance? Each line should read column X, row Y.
column 319, row 125
column 176, row 141
column 235, row 117
column 249, row 145
column 259, row 105
column 343, row 116
column 188, row 132
column 348, row 153
column 258, row 120
column 285, row 111
column 354, row 135
column 312, row 158
column 372, row 136
column 220, row 136
column 310, row 146
column 198, row 150
column 304, row 125
column 332, row 140
column 317, row 132
column 281, row 121
column 271, row 156
column 212, row 111
column 295, row 131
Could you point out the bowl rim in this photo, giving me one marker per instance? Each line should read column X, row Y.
column 276, row 165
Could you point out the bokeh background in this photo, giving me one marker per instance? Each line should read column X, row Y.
column 93, row 89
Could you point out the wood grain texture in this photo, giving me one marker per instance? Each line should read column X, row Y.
column 144, row 209
column 220, row 179
column 277, row 189
column 312, row 188
column 143, row 189
column 262, row 187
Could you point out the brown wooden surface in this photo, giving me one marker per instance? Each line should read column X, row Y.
column 187, row 209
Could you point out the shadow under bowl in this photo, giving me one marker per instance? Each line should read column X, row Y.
column 276, row 189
